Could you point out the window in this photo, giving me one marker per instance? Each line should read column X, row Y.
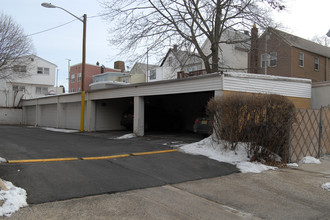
column 79, row 77
column 17, row 88
column 153, row 74
column 316, row 63
column 72, row 78
column 301, row 59
column 264, row 60
column 192, row 68
column 41, row 90
column 273, row 59
column 43, row 70
column 21, row 69
column 78, row 90
column 170, row 61
column 72, row 90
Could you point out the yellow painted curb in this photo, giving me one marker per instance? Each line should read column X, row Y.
column 105, row 157
column 43, row 160
column 153, row 152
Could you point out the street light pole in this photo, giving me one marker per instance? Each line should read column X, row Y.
column 84, row 21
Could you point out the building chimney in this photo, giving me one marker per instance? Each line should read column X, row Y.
column 253, row 55
column 119, row 65
column 175, row 47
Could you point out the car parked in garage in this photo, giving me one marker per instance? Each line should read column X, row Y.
column 203, row 125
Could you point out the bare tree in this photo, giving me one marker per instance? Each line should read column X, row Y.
column 157, row 24
column 14, row 48
column 323, row 40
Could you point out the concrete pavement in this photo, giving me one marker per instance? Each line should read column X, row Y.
column 290, row 193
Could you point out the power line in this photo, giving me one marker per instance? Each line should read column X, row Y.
column 51, row 28
column 40, row 32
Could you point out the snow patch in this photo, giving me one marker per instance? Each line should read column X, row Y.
column 310, row 160
column 61, row 130
column 175, row 144
column 292, row 165
column 14, row 199
column 3, row 160
column 126, row 136
column 215, row 150
column 326, row 186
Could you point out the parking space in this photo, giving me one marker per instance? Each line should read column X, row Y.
column 50, row 181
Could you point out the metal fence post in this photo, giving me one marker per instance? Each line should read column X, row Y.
column 320, row 133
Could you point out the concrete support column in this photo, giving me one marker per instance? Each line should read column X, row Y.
column 90, row 115
column 218, row 93
column 138, row 123
column 38, row 114
column 59, row 111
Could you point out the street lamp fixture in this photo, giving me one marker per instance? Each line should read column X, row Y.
column 84, row 21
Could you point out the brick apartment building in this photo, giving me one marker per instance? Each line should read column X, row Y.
column 278, row 53
column 90, row 71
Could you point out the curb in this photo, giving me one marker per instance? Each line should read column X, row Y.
column 3, row 186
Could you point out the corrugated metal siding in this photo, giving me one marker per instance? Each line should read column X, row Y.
column 269, row 86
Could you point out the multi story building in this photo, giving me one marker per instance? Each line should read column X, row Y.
column 30, row 77
column 278, row 53
column 90, row 71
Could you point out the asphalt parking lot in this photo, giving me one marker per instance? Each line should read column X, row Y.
column 61, row 180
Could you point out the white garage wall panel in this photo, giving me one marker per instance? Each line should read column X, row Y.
column 70, row 117
column 30, row 115
column 48, row 115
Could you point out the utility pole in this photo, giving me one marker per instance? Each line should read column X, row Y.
column 68, row 74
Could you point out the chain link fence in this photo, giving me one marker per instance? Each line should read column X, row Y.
column 310, row 134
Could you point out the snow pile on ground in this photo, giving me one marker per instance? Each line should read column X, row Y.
column 292, row 165
column 326, row 186
column 310, row 159
column 14, row 198
column 216, row 151
column 3, row 160
column 61, row 130
column 126, row 136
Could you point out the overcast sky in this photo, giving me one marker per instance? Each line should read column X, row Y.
column 304, row 18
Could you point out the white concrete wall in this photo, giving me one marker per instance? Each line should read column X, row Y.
column 11, row 116
column 320, row 95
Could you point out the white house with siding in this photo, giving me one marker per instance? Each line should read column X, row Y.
column 32, row 78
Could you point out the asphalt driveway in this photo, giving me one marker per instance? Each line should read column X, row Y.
column 60, row 180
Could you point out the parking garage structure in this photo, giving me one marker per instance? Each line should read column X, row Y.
column 169, row 105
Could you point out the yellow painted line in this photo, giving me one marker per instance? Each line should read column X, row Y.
column 105, row 157
column 153, row 152
column 43, row 160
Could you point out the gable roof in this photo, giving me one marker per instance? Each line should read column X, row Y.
column 184, row 57
column 301, row 43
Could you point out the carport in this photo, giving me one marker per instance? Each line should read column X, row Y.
column 170, row 105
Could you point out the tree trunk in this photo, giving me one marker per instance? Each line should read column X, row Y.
column 215, row 57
